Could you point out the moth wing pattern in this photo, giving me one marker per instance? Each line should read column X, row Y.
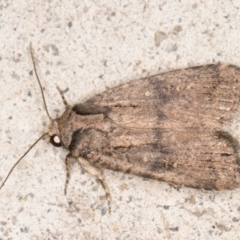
column 173, row 127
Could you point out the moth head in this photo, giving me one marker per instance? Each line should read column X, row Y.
column 54, row 134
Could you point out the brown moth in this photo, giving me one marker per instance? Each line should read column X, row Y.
column 176, row 127
column 173, row 127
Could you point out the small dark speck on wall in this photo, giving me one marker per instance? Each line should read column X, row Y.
column 70, row 202
column 24, row 230
column 175, row 229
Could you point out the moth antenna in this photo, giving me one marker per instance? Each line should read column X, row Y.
column 40, row 85
column 21, row 159
column 63, row 98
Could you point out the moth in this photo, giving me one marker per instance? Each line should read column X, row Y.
column 176, row 127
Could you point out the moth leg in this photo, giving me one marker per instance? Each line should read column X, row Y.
column 63, row 98
column 98, row 174
column 68, row 169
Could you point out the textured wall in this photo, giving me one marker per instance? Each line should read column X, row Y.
column 87, row 47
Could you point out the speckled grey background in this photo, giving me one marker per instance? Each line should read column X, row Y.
column 90, row 46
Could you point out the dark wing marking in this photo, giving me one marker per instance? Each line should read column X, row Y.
column 89, row 109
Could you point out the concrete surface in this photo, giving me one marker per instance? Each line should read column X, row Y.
column 87, row 47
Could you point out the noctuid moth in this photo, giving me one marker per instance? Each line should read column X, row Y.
column 176, row 127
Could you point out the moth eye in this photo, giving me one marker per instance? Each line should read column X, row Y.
column 55, row 141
